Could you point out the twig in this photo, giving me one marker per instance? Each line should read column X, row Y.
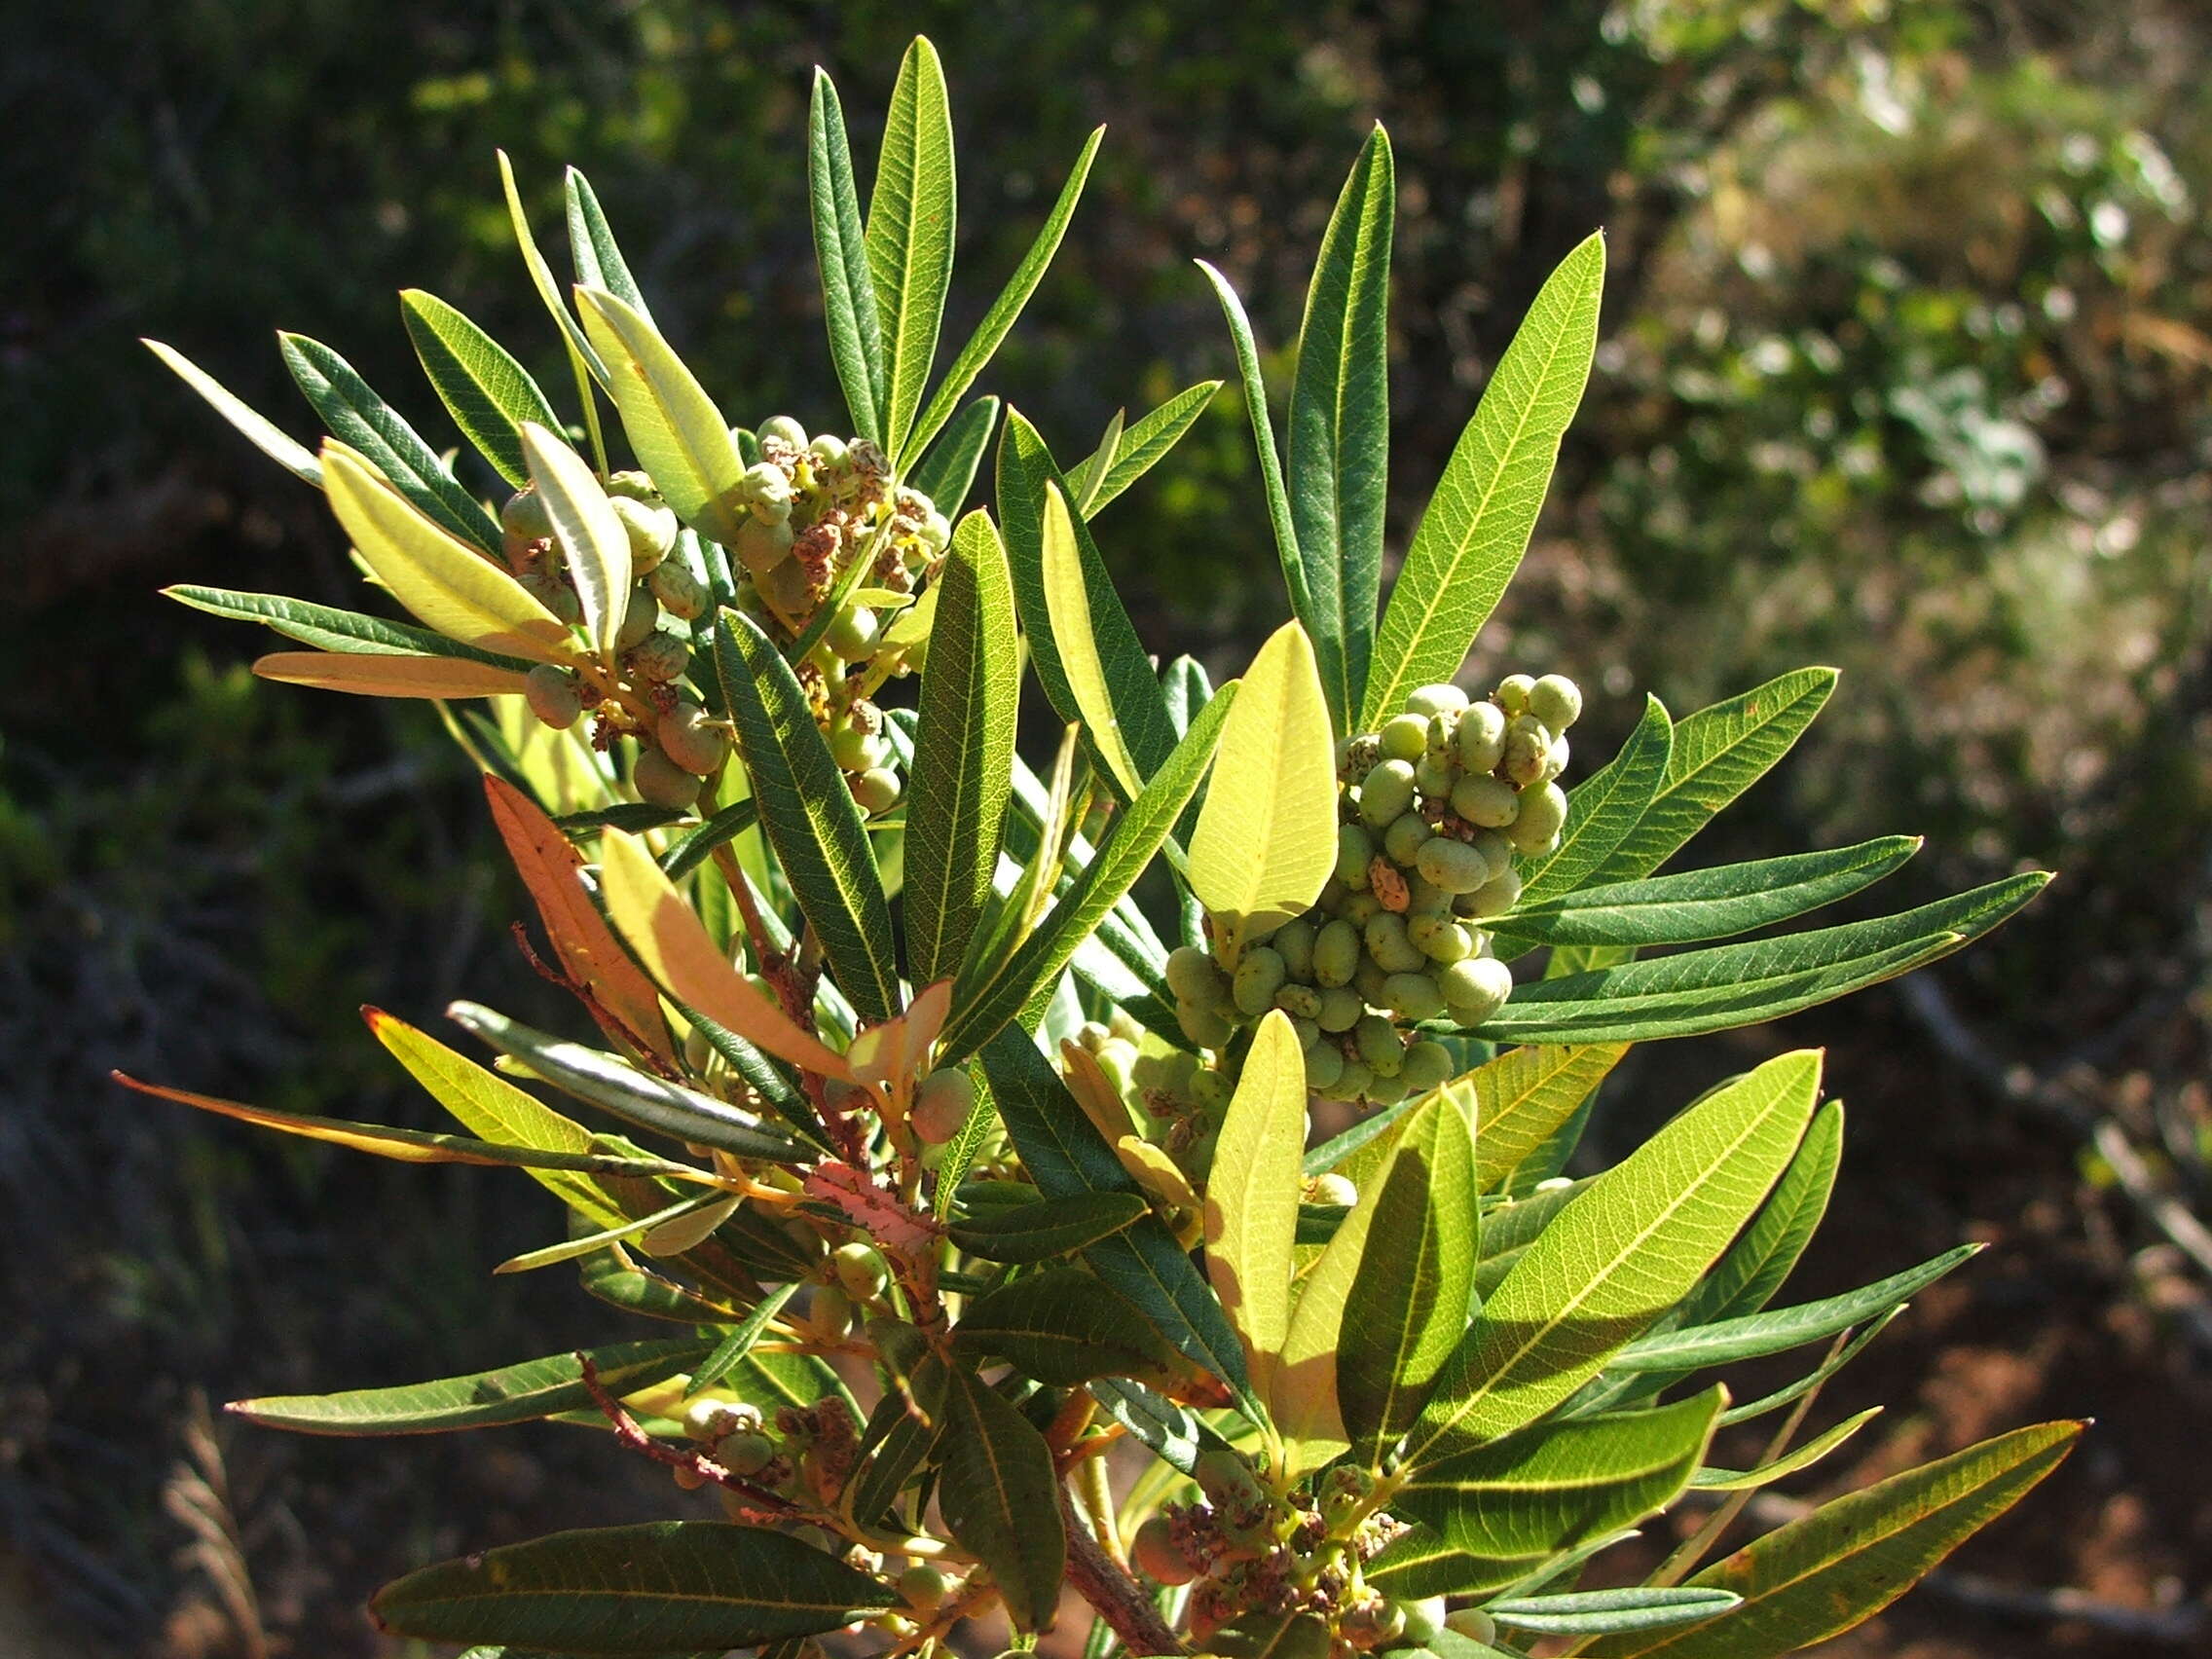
column 1112, row 1593
column 608, row 1021
column 696, row 1464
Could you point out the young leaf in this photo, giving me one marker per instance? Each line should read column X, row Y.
column 810, row 820
column 389, row 676
column 592, row 539
column 1718, row 753
column 840, row 250
column 1067, row 612
column 1266, row 835
column 963, row 769
column 1049, row 1229
column 1822, row 1574
column 258, row 430
column 489, row 394
column 1628, row 1248
column 1531, row 1497
column 1000, row 1499
column 1340, row 427
column 358, row 417
column 1251, row 1200
column 1064, row 1328
column 591, row 244
column 1477, row 523
column 1604, row 808
column 1757, row 1263
column 582, row 357
column 445, row 583
column 1000, row 319
column 673, row 946
column 733, row 1348
column 642, row 1589
column 622, row 999
column 1804, row 1457
column 909, row 239
column 680, row 438
column 1255, row 391
column 947, row 470
column 1518, row 1099
column 1138, row 449
column 513, row 1393
column 1706, row 904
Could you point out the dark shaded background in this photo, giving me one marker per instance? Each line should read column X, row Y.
column 1904, row 368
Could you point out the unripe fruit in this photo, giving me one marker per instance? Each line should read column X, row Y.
column 1341, row 1009
column 1299, row 1002
column 1154, row 1553
column 1335, row 1189
column 525, row 519
column 921, row 1586
column 555, row 594
column 1429, row 1065
column 855, row 751
column 860, row 1271
column 1434, row 775
column 767, row 490
column 661, row 782
column 1472, row 1622
column 1356, row 758
column 831, row 1310
column 875, row 790
column 1484, row 801
column 1450, row 866
column 1440, row 939
column 1389, row 948
column 1423, row 897
column 692, row 741
column 1404, row 838
column 1369, row 980
column 1388, row 791
column 682, row 595
column 1555, row 760
column 662, row 657
column 1527, row 748
column 1371, row 1625
column 1512, row 695
column 1496, row 896
column 1476, row 988
column 707, row 1421
column 1324, row 1065
column 553, row 695
column 1336, row 957
column 1556, row 700
column 1481, row 737
column 852, row 633
column 746, row 1454
column 1355, row 851
column 1294, row 943
column 1210, row 1090
column 761, row 547
column 828, row 452
column 636, row 485
column 942, row 1102
column 1226, row 1479
column 1496, row 849
column 1404, row 737
column 639, row 619
column 1202, row 1025
column 1543, row 814
column 1419, row 1620
column 784, row 430
column 1413, row 996
column 1379, row 1045
column 1194, row 976
column 1258, row 978
column 1438, row 699
column 1306, row 1030
column 651, row 528
column 1359, row 908
column 1354, row 1081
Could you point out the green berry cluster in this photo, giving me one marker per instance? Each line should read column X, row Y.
column 1435, row 808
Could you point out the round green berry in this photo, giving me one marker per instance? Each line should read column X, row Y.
column 1388, row 791
column 1512, row 695
column 921, row 1586
column 1336, row 957
column 1440, row 698
column 1556, row 700
column 661, row 782
column 1450, row 866
column 1202, row 1025
column 1294, row 943
column 747, row 1453
column 767, row 490
column 942, row 1102
column 761, row 547
column 658, row 659
column 554, row 695
column 1404, row 737
column 1413, row 996
column 1355, row 851
column 875, row 790
column 784, row 430
column 1440, row 939
column 1335, row 1189
column 852, row 633
column 682, row 595
column 1324, row 1064
column 1354, row 1080
column 860, row 1270
column 649, row 527
column 692, row 741
column 1476, row 988
column 1484, row 801
column 1387, row 945
column 1341, row 1009
column 1429, row 1065
column 1528, row 749
column 1194, row 976
column 1496, row 896
column 1434, row 775
column 1379, row 1045
column 1299, row 1002
column 1543, row 814
column 1481, row 737
column 1402, row 839
column 1258, row 978
column 639, row 618
column 1155, row 1553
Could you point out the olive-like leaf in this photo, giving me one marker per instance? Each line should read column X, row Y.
column 910, row 233
column 258, row 430
column 591, row 538
column 389, row 676
column 489, row 394
column 1000, row 1499
column 840, row 250
column 1251, row 1199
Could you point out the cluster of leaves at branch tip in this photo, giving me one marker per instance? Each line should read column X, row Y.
column 946, row 1166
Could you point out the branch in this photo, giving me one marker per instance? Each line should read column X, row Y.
column 1112, row 1593
column 696, row 1464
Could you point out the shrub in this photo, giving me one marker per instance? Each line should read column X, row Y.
column 962, row 1167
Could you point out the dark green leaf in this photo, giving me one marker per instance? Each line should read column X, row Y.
column 1052, row 1227
column 1604, row 808
column 739, row 1342
column 258, row 430
column 909, row 233
column 1000, row 1499
column 591, row 241
column 688, row 854
column 1062, row 1327
column 848, row 291
column 1255, row 390
column 333, row 630
column 946, row 472
column 1138, row 449
column 488, row 393
column 1600, row 1612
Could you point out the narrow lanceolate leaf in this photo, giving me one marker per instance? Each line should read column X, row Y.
column 1819, row 1577
column 963, row 768
column 358, row 417
column 680, row 438
column 513, row 1393
column 731, row 1350
column 1789, row 1463
column 582, row 356
column 1604, row 808
column 489, row 394
column 1266, row 836
column 947, row 470
column 1340, row 428
column 1516, row 1505
column 1745, row 1279
column 810, row 819
column 1067, row 612
column 670, row 941
column 1706, row 903
column 591, row 244
column 258, row 430
column 1138, row 449
column 1718, row 752
column 444, row 582
column 1064, row 1155
column 1000, row 1499
column 1251, row 1207
column 910, row 214
column 1064, row 1328
column 1255, row 391
column 622, row 999
column 1026, row 478
column 383, row 676
column 993, row 990
column 1000, row 319
column 410, row 1146
column 1048, row 1229
column 592, row 539
column 1727, row 985
column 1271, row 1636
column 1627, row 1249
column 1600, row 1612
column 1477, row 523
column 631, row 1590
column 1518, row 1099
column 840, row 250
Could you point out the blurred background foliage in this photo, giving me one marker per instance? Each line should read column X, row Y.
column 1904, row 367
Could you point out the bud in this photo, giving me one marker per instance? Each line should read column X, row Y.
column 682, row 595
column 860, row 1270
column 661, row 782
column 1556, row 700
column 710, row 1420
column 651, row 528
column 691, row 740
column 1154, row 1552
column 661, row 658
column 636, row 485
column 784, row 430
column 553, row 695
column 875, row 790
column 941, row 1103
column 826, row 451
column 1484, row 801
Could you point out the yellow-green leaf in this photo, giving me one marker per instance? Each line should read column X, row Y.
column 1266, row 835
column 592, row 539
column 1067, row 602
column 1251, row 1202
column 389, row 675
